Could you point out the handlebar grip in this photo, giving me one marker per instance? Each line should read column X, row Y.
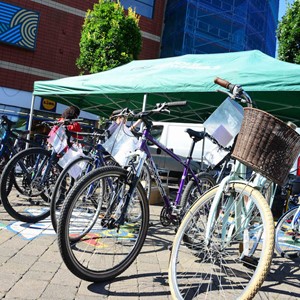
column 177, row 103
column 224, row 83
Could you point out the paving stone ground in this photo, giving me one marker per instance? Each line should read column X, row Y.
column 31, row 268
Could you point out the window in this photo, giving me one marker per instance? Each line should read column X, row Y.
column 142, row 7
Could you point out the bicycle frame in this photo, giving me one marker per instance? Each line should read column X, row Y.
column 144, row 153
column 241, row 212
column 6, row 146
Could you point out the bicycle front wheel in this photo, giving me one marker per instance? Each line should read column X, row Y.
column 93, row 245
column 287, row 238
column 231, row 258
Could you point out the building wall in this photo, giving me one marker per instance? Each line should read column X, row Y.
column 215, row 26
column 57, row 44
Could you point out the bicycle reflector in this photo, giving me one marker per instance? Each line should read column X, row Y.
column 298, row 166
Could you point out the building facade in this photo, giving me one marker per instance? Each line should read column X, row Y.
column 39, row 40
column 216, row 26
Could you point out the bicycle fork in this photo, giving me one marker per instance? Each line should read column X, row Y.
column 133, row 179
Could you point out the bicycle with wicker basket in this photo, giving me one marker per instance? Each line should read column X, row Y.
column 224, row 245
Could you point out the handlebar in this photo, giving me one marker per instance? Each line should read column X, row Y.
column 236, row 92
column 224, row 83
column 170, row 104
column 142, row 116
column 61, row 122
column 7, row 121
column 161, row 107
column 125, row 112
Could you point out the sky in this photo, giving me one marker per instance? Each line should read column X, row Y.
column 282, row 7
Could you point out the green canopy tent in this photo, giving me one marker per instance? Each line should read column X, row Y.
column 273, row 84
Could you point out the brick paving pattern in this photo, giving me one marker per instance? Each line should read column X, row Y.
column 31, row 268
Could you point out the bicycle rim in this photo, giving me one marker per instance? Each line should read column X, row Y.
column 287, row 239
column 225, row 267
column 90, row 244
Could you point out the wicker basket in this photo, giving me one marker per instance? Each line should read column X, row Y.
column 267, row 145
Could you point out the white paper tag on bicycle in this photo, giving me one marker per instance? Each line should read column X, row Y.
column 121, row 143
column 70, row 155
column 77, row 169
column 73, row 153
column 225, row 122
column 58, row 139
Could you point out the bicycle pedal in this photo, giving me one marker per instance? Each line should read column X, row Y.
column 249, row 262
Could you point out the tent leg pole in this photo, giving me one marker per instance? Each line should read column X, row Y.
column 144, row 102
column 143, row 109
column 30, row 118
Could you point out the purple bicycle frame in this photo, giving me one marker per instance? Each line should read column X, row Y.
column 186, row 164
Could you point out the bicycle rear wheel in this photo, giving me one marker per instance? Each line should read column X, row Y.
column 287, row 240
column 28, row 200
column 194, row 189
column 92, row 246
column 233, row 261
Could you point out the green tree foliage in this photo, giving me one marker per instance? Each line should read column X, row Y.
column 109, row 37
column 288, row 34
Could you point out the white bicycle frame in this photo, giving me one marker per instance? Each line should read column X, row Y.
column 241, row 211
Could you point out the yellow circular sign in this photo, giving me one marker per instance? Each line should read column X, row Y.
column 48, row 104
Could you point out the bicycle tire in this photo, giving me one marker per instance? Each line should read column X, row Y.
column 62, row 186
column 191, row 192
column 287, row 241
column 29, row 202
column 100, row 243
column 3, row 162
column 236, row 277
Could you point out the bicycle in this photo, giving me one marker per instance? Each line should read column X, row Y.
column 287, row 230
column 225, row 242
column 111, row 223
column 73, row 171
column 35, row 171
column 11, row 140
column 96, row 157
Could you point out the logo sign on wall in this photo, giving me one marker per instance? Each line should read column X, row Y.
column 48, row 105
column 18, row 26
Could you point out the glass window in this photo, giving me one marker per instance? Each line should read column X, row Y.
column 142, row 7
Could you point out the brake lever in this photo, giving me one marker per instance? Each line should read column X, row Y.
column 227, row 93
